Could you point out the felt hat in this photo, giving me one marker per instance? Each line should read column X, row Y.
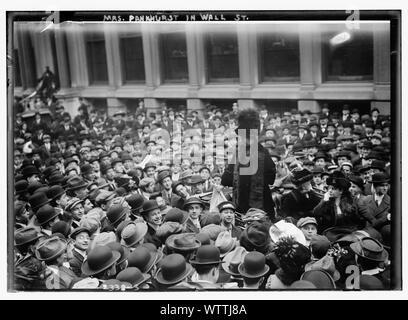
column 210, row 218
column 26, row 235
column 149, row 165
column 370, row 249
column 183, row 242
column 379, row 178
column 253, row 265
column 86, row 168
column 29, row 170
column 78, row 231
column 319, row 245
column 225, row 243
column 338, row 180
column 55, row 191
column 325, row 263
column 21, row 187
column 133, row 233
column 321, row 279
column 38, row 200
column 255, row 236
column 176, row 215
column 135, row 201
column 102, row 239
column 149, row 206
column 253, row 214
column 226, row 205
column 206, row 255
column 173, row 270
column 143, row 258
column 76, row 182
column 61, row 227
column 213, row 230
column 283, row 229
column 306, row 220
column 233, row 259
column 116, row 212
column 72, row 203
column 162, row 175
column 45, row 213
column 50, row 248
column 124, row 252
column 133, row 276
column 301, row 176
column 104, row 196
column 357, row 181
column 99, row 259
column 192, row 200
column 204, row 238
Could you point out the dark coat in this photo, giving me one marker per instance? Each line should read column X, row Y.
column 295, row 204
column 75, row 262
column 377, row 216
column 152, row 237
column 245, row 184
column 326, row 216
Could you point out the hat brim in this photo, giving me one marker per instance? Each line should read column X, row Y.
column 145, row 278
column 86, row 270
column 84, row 185
column 356, row 247
column 203, row 263
column 159, row 276
column 37, row 223
column 172, row 246
column 225, row 265
column 141, row 236
column 126, row 253
column 247, row 275
column 55, row 255
column 303, row 179
column 41, row 204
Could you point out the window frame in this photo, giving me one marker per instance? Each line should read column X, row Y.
column 89, row 38
column 125, row 81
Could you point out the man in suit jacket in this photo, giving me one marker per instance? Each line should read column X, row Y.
column 165, row 181
column 81, row 238
column 378, row 205
column 227, row 212
column 195, row 207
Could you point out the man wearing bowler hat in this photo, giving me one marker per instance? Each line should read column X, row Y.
column 253, row 269
column 207, row 267
column 379, row 203
column 101, row 263
column 152, row 215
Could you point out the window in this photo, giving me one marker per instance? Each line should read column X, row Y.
column 32, row 67
column 131, row 47
column 278, row 106
column 222, row 58
column 96, row 55
column 280, row 57
column 348, row 55
column 174, row 57
column 17, row 75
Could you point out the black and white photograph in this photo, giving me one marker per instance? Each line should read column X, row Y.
column 204, row 151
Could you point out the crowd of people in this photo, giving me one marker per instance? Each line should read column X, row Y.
column 163, row 201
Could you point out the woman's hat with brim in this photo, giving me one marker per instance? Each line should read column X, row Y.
column 233, row 259
column 99, row 259
column 133, row 276
column 283, row 229
column 173, row 270
column 253, row 265
column 183, row 242
column 370, row 249
column 50, row 248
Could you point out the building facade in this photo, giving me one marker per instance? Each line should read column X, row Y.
column 278, row 65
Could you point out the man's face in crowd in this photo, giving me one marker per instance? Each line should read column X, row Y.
column 305, row 187
column 160, row 202
column 354, row 189
column 334, row 192
column 375, row 114
column 78, row 211
column 182, row 191
column 346, row 169
column 96, row 166
column 119, row 167
column 128, row 164
column 185, row 164
column 150, row 188
column 381, row 189
column 110, row 174
column 205, row 174
column 167, row 183
column 309, row 231
column 82, row 241
column 81, row 193
column 63, row 200
column 154, row 217
column 341, row 160
column 33, row 178
column 88, row 205
column 195, row 211
column 227, row 216
column 217, row 180
column 320, row 163
column 317, row 179
column 150, row 172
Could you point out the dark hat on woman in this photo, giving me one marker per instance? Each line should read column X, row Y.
column 301, row 176
column 253, row 265
column 359, row 182
column 99, row 259
column 45, row 213
column 255, row 237
column 50, row 248
column 173, row 270
column 338, row 180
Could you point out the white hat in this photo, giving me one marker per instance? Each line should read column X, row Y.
column 283, row 229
